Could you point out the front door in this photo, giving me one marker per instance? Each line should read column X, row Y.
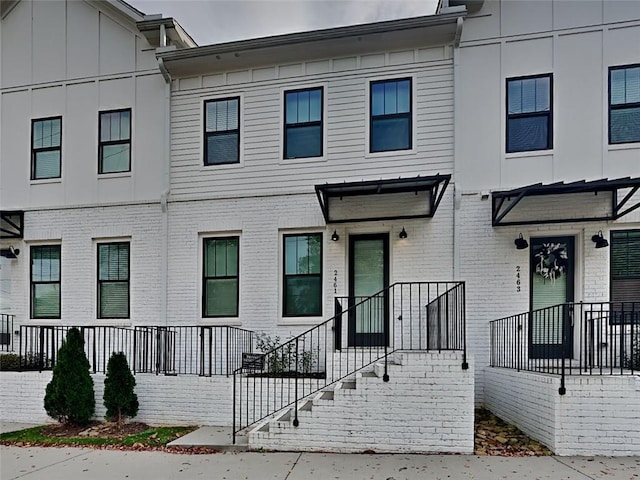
column 368, row 277
column 552, row 284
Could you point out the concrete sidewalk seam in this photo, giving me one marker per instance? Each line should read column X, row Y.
column 52, row 464
column 557, row 459
column 293, row 466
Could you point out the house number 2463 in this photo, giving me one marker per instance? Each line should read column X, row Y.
column 518, row 278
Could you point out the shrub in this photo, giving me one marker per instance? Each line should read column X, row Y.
column 12, row 362
column 632, row 359
column 9, row 362
column 282, row 359
column 69, row 397
column 119, row 397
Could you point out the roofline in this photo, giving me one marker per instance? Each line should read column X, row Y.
column 169, row 22
column 313, row 35
column 128, row 10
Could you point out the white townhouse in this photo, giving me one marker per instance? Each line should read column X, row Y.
column 547, row 174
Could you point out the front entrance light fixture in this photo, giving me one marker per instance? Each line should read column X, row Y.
column 599, row 240
column 521, row 243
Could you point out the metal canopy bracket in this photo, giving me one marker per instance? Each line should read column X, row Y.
column 434, row 185
column 513, row 198
column 11, row 224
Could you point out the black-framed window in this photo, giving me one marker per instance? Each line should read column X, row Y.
column 113, row 280
column 114, row 146
column 529, row 113
column 222, row 131
column 220, row 279
column 624, row 104
column 625, row 265
column 303, row 123
column 45, row 281
column 302, row 289
column 46, row 148
column 391, row 122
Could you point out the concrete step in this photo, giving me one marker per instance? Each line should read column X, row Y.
column 218, row 438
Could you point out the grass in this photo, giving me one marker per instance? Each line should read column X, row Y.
column 152, row 437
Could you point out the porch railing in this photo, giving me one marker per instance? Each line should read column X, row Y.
column 6, row 332
column 426, row 316
column 176, row 350
column 600, row 338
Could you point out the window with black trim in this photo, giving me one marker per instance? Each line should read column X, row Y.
column 222, row 131
column 46, row 148
column 391, row 123
column 113, row 280
column 625, row 265
column 302, row 289
column 529, row 113
column 624, row 104
column 45, row 281
column 220, row 277
column 303, row 123
column 114, row 147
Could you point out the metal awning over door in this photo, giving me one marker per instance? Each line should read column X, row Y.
column 538, row 203
column 389, row 199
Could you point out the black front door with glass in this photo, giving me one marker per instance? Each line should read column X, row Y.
column 552, row 285
column 368, row 302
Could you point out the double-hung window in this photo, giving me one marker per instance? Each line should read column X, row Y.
column 625, row 266
column 302, row 275
column 46, row 148
column 390, row 108
column 114, row 147
column 529, row 113
column 222, row 131
column 220, row 277
column 624, row 104
column 45, row 281
column 113, row 280
column 303, row 123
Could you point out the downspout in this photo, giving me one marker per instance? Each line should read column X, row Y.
column 164, row 197
column 456, row 189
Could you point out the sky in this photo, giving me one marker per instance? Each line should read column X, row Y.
column 217, row 21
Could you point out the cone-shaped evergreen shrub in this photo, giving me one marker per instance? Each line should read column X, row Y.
column 69, row 396
column 119, row 397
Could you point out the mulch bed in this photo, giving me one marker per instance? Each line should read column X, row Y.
column 95, row 430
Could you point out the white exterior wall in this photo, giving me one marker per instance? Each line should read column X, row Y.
column 74, row 59
column 346, row 118
column 595, row 417
column 426, row 255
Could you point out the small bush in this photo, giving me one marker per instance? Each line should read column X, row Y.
column 632, row 359
column 69, row 397
column 9, row 362
column 12, row 362
column 119, row 397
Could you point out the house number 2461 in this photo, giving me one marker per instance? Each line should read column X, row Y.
column 518, row 278
column 335, row 281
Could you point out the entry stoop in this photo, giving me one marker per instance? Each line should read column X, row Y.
column 426, row 406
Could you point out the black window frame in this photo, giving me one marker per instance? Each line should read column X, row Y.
column 32, row 283
column 35, row 151
column 408, row 115
column 221, row 277
column 548, row 114
column 293, row 126
column 612, row 251
column 99, row 282
column 102, row 144
column 206, row 134
column 285, row 275
column 621, row 106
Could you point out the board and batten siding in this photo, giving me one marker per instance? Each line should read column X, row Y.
column 262, row 170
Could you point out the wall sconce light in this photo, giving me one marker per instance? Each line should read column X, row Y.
column 403, row 234
column 335, row 237
column 521, row 243
column 10, row 252
column 599, row 240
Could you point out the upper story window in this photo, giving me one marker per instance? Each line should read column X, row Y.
column 114, row 148
column 46, row 148
column 302, row 275
column 222, row 131
column 303, row 123
column 113, row 280
column 390, row 115
column 529, row 113
column 220, row 277
column 45, row 281
column 624, row 104
column 625, row 265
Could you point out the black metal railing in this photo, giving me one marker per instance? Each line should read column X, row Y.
column 6, row 332
column 176, row 350
column 601, row 338
column 426, row 316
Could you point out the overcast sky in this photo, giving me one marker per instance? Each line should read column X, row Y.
column 216, row 21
